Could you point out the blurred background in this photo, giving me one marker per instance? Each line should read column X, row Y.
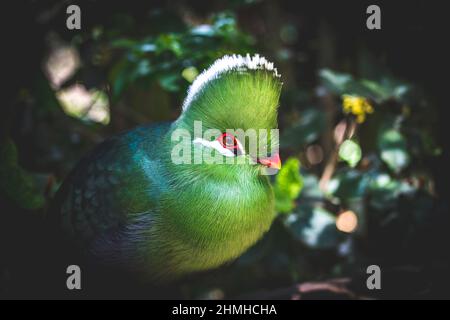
column 362, row 123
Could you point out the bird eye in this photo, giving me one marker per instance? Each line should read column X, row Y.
column 228, row 141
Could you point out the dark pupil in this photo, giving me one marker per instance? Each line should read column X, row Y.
column 229, row 141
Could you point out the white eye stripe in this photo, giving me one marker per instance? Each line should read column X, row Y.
column 215, row 145
column 218, row 146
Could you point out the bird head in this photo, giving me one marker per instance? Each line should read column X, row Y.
column 231, row 110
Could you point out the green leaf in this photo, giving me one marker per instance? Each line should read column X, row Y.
column 380, row 91
column 15, row 182
column 334, row 81
column 142, row 69
column 393, row 149
column 120, row 77
column 387, row 88
column 376, row 90
column 288, row 184
column 123, row 43
column 148, row 47
column 289, row 180
column 348, row 185
column 314, row 226
column 384, row 191
column 204, row 30
column 283, row 204
column 169, row 82
column 350, row 152
column 170, row 42
column 306, row 130
column 189, row 73
column 342, row 83
column 311, row 187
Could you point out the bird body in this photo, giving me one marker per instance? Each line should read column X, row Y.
column 128, row 203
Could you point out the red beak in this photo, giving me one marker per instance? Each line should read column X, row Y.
column 271, row 162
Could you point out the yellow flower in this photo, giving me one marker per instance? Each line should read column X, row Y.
column 358, row 106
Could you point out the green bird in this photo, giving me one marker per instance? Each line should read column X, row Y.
column 142, row 201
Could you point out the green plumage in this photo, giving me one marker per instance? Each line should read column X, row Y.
column 129, row 205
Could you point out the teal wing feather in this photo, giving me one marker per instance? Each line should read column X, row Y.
column 108, row 199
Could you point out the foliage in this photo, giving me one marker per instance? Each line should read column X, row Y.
column 350, row 152
column 18, row 184
column 165, row 56
column 393, row 149
column 288, row 184
column 372, row 136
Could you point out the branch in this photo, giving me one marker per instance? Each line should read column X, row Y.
column 329, row 289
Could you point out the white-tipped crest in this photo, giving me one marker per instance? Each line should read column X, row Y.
column 224, row 64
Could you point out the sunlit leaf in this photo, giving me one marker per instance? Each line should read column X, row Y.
column 350, row 152
column 377, row 91
column 335, row 82
column 203, row 30
column 92, row 105
column 148, row 47
column 288, row 184
column 311, row 187
column 384, row 191
column 393, row 150
column 169, row 82
column 190, row 73
column 349, row 184
column 314, row 226
column 342, row 83
column 170, row 42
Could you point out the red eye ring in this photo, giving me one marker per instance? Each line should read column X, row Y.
column 222, row 138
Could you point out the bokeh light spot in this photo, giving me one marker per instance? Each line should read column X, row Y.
column 347, row 221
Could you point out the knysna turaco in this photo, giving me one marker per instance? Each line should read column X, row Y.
column 128, row 204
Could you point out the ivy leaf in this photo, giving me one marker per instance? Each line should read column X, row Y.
column 377, row 90
column 170, row 82
column 384, row 191
column 314, row 226
column 380, row 91
column 311, row 187
column 348, row 185
column 170, row 42
column 350, row 152
column 288, row 184
column 120, row 78
column 393, row 150
column 148, row 47
column 334, row 81
column 204, row 30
